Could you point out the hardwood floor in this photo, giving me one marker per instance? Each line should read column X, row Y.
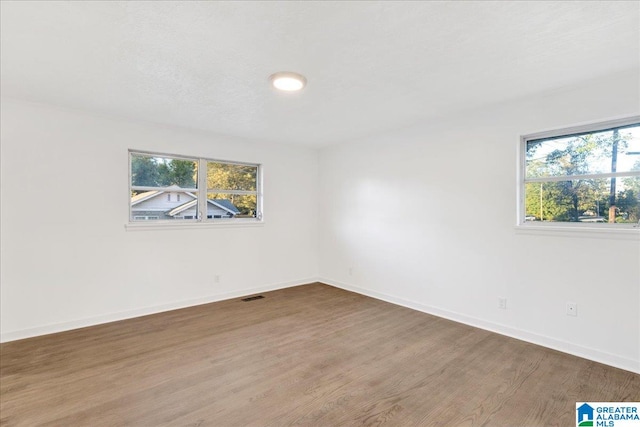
column 309, row 355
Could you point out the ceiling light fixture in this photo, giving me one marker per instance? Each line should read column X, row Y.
column 288, row 81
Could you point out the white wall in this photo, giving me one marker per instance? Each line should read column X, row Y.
column 425, row 217
column 61, row 271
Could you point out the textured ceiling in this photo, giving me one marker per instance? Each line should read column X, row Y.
column 371, row 66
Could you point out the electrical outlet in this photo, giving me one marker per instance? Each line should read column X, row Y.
column 502, row 303
column 350, row 271
column 216, row 278
column 572, row 309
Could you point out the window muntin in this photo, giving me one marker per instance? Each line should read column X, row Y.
column 586, row 175
column 170, row 188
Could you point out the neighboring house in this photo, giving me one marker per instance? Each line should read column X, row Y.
column 175, row 203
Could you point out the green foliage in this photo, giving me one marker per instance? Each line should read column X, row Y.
column 225, row 176
column 144, row 171
column 160, row 172
column 179, row 172
column 628, row 204
column 547, row 201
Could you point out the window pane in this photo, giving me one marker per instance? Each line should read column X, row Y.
column 155, row 171
column 583, row 200
column 607, row 151
column 226, row 176
column 171, row 200
column 225, row 205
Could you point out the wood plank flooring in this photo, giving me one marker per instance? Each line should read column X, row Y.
column 309, row 355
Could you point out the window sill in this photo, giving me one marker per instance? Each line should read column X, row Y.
column 170, row 225
column 630, row 232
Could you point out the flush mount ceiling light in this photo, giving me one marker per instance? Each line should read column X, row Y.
column 288, row 81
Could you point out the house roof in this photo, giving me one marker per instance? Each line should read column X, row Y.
column 139, row 198
column 225, row 204
column 221, row 203
column 182, row 207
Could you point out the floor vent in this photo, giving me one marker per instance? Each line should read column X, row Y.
column 252, row 298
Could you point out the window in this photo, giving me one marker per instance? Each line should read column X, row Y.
column 226, row 191
column 233, row 188
column 144, row 218
column 587, row 175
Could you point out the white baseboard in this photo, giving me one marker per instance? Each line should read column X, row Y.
column 553, row 343
column 113, row 317
column 563, row 346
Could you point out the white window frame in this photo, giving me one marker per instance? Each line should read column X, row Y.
column 201, row 192
column 522, row 224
